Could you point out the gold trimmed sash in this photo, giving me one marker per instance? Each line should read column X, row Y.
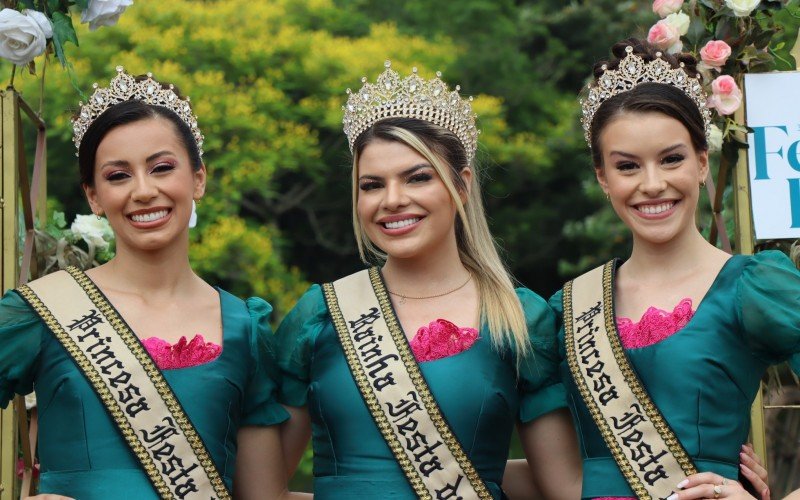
column 127, row 381
column 395, row 392
column 646, row 450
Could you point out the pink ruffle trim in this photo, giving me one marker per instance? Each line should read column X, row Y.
column 441, row 339
column 655, row 325
column 183, row 354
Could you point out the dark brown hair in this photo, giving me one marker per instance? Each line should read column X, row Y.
column 122, row 114
column 648, row 97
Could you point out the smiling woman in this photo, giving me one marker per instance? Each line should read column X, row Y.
column 412, row 374
column 154, row 383
column 663, row 354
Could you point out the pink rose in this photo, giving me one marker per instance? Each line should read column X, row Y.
column 665, row 36
column 666, row 7
column 715, row 53
column 726, row 96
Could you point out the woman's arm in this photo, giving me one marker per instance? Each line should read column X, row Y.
column 518, row 482
column 551, row 447
column 295, row 434
column 260, row 469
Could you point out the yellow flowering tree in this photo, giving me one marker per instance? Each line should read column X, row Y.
column 267, row 80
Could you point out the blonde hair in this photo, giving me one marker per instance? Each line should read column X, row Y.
column 501, row 309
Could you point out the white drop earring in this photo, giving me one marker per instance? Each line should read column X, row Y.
column 193, row 217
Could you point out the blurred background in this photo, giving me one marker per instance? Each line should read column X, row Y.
column 267, row 80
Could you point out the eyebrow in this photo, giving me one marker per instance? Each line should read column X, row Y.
column 404, row 173
column 662, row 152
column 122, row 163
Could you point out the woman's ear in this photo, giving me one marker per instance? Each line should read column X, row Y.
column 200, row 176
column 466, row 178
column 600, row 174
column 91, row 197
column 702, row 158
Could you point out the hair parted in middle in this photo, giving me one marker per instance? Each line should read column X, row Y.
column 500, row 307
column 648, row 97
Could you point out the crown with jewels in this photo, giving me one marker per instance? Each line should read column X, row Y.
column 124, row 87
column 633, row 71
column 412, row 97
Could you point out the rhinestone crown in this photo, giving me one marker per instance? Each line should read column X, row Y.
column 412, row 97
column 124, row 87
column 632, row 71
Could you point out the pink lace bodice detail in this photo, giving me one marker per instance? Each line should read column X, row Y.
column 655, row 325
column 183, row 354
column 440, row 339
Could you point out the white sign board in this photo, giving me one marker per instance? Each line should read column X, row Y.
column 773, row 112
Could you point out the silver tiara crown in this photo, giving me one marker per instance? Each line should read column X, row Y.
column 124, row 87
column 633, row 71
column 412, row 97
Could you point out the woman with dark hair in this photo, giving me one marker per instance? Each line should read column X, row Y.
column 663, row 354
column 410, row 376
column 150, row 382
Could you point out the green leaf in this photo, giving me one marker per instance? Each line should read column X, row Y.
column 59, row 220
column 697, row 30
column 63, row 32
column 28, row 4
column 52, row 5
column 762, row 40
column 709, row 3
column 82, row 4
column 724, row 28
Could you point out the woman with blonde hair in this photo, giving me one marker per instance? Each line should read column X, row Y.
column 411, row 375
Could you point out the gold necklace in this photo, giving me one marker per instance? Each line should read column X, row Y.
column 404, row 297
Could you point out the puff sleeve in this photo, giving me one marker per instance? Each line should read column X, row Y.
column 295, row 345
column 261, row 407
column 540, row 388
column 21, row 337
column 768, row 296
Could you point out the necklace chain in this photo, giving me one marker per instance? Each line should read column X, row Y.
column 448, row 292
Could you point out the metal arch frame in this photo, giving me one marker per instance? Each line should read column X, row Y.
column 22, row 199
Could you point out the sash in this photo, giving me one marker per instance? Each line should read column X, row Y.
column 127, row 381
column 646, row 450
column 395, row 392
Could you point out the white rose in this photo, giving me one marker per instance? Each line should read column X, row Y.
column 679, row 21
column 21, row 37
column 742, row 8
column 714, row 138
column 104, row 12
column 92, row 230
column 40, row 19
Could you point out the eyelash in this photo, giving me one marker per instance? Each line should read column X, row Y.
column 160, row 168
column 420, row 177
column 669, row 160
column 416, row 178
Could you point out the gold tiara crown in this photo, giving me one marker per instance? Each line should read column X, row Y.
column 633, row 71
column 124, row 87
column 412, row 97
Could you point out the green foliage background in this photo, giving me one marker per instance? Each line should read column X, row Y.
column 268, row 78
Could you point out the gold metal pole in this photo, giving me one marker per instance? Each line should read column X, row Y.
column 9, row 237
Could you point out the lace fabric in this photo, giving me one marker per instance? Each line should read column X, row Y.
column 183, row 354
column 441, row 339
column 654, row 326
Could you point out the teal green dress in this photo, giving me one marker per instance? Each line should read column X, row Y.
column 478, row 391
column 704, row 377
column 81, row 453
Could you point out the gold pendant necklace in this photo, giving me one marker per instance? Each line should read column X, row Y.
column 404, row 297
